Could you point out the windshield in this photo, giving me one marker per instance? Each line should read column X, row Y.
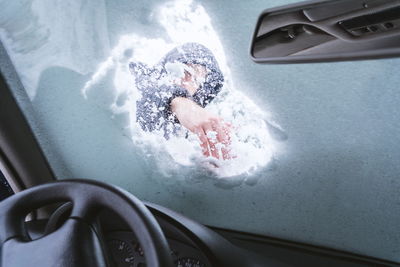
column 162, row 99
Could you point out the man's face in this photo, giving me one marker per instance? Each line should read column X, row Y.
column 195, row 76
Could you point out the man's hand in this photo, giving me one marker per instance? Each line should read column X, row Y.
column 212, row 131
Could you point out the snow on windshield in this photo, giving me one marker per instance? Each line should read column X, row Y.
column 37, row 39
column 251, row 144
column 242, row 138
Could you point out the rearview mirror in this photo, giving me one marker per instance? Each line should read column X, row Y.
column 322, row 31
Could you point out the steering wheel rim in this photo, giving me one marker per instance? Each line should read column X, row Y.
column 88, row 197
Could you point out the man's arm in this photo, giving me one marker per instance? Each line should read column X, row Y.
column 153, row 109
column 201, row 122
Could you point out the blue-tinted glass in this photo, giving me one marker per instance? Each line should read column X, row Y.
column 317, row 157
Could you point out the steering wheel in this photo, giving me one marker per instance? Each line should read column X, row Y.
column 75, row 243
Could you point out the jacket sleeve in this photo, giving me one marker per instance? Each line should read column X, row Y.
column 153, row 110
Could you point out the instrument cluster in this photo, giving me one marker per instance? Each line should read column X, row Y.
column 125, row 251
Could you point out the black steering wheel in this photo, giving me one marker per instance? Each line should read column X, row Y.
column 75, row 243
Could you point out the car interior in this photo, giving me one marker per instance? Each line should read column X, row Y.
column 75, row 191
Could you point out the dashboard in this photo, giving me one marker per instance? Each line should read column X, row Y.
column 191, row 244
column 195, row 245
column 126, row 252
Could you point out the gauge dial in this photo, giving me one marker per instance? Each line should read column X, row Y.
column 122, row 253
column 189, row 262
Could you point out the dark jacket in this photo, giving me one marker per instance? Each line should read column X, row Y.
column 153, row 109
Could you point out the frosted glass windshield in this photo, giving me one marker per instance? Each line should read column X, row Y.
column 162, row 99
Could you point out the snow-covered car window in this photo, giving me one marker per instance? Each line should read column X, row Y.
column 161, row 98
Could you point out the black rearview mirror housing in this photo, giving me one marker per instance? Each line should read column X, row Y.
column 326, row 31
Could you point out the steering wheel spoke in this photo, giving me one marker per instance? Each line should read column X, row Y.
column 75, row 243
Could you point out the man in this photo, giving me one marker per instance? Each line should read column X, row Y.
column 176, row 90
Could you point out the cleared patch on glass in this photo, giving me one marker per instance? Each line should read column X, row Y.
column 144, row 70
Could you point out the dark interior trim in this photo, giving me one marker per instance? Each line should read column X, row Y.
column 241, row 238
column 19, row 148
